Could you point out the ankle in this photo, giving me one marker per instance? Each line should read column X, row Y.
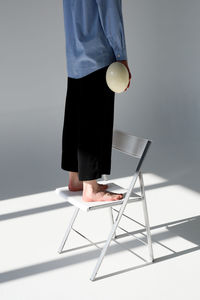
column 90, row 185
column 73, row 175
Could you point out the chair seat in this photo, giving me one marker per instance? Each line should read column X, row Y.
column 75, row 198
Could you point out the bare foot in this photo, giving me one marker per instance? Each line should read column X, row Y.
column 92, row 195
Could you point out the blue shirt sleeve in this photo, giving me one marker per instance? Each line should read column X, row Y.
column 110, row 13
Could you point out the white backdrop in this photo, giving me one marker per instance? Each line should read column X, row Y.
column 162, row 102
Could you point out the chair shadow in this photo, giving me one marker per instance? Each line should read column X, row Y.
column 186, row 228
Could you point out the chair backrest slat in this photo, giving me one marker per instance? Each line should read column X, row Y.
column 129, row 144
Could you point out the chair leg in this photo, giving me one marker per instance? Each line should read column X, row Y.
column 110, row 237
column 103, row 251
column 112, row 219
column 113, row 230
column 68, row 230
column 146, row 218
column 148, row 230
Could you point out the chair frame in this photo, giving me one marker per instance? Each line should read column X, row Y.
column 138, row 153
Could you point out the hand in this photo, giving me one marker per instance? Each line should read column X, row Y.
column 124, row 62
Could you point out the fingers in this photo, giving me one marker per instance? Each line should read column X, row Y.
column 128, row 84
column 130, row 76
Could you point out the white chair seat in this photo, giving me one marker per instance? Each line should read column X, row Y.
column 75, row 198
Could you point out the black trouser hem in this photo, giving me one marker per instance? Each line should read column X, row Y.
column 93, row 176
column 69, row 168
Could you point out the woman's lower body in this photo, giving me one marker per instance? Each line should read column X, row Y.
column 87, row 135
column 88, row 126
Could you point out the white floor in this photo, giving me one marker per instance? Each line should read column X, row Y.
column 32, row 228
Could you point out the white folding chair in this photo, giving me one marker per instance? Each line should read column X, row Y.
column 136, row 147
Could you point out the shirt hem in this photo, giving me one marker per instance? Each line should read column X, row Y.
column 91, row 70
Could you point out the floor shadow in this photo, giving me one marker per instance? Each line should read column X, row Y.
column 32, row 211
column 177, row 163
column 186, row 228
column 43, row 209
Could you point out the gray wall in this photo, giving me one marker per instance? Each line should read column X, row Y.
column 162, row 102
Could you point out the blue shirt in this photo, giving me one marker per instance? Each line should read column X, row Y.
column 94, row 35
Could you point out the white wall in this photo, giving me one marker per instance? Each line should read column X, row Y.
column 162, row 102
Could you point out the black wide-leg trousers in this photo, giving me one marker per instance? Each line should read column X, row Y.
column 88, row 126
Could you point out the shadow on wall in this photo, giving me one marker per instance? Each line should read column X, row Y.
column 178, row 167
column 41, row 172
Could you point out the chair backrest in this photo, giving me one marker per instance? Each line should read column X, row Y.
column 133, row 146
column 129, row 144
